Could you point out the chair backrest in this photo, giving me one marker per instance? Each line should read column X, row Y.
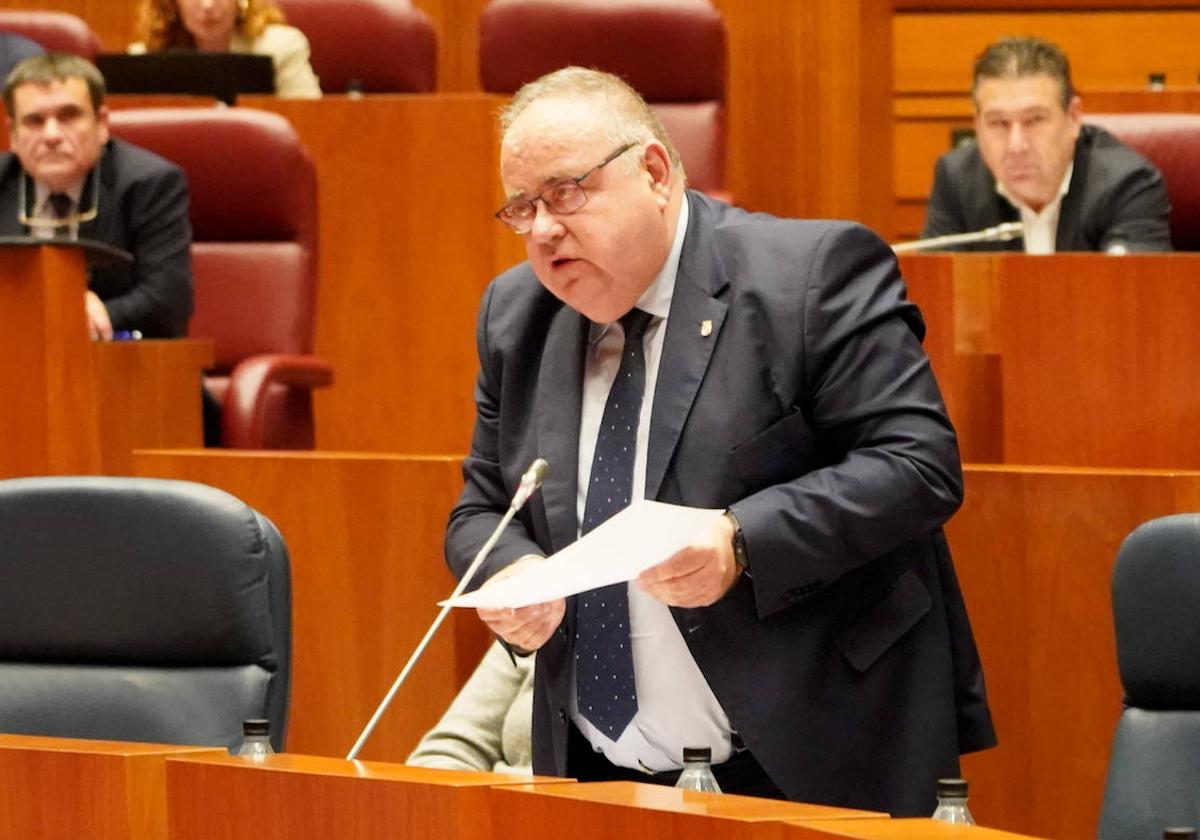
column 140, row 610
column 1172, row 143
column 56, row 31
column 253, row 191
column 671, row 51
column 372, row 46
column 1154, row 769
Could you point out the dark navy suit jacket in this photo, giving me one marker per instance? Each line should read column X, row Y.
column 143, row 209
column 846, row 662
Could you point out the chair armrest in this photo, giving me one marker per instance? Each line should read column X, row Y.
column 244, row 408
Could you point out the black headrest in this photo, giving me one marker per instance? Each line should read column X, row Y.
column 1156, row 610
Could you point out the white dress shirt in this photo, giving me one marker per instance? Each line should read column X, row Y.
column 676, row 707
column 1041, row 228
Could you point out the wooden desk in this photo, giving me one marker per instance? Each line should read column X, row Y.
column 903, row 829
column 297, row 797
column 1072, row 359
column 66, row 789
column 598, row 811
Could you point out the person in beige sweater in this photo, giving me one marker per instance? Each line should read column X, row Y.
column 487, row 727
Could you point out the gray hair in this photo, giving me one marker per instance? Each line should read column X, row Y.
column 631, row 120
column 54, row 67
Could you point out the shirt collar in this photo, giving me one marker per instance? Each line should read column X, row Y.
column 1020, row 205
column 42, row 193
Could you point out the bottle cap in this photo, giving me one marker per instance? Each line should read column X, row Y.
column 256, row 726
column 952, row 788
column 697, row 754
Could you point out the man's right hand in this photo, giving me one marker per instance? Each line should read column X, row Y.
column 526, row 628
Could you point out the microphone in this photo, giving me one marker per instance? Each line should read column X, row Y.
column 999, row 233
column 530, row 482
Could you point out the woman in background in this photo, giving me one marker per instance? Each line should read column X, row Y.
column 240, row 26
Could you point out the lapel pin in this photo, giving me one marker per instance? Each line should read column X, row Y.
column 706, row 328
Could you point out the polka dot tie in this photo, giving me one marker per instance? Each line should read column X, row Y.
column 603, row 658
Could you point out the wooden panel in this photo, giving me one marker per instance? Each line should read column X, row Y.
column 113, row 22
column 364, row 534
column 809, row 107
column 149, row 396
column 902, row 829
column 598, row 811
column 49, row 407
column 407, row 186
column 1099, row 360
column 1034, row 550
column 296, row 797
column 956, row 296
column 65, row 789
column 934, row 52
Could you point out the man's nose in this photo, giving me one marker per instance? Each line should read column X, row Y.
column 1018, row 140
column 546, row 225
column 51, row 129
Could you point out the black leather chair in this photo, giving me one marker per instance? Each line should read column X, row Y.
column 140, row 610
column 1154, row 769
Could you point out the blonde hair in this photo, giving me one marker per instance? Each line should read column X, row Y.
column 631, row 120
column 160, row 26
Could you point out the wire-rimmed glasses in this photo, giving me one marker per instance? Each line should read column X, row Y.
column 563, row 197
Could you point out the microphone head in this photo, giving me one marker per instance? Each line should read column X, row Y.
column 536, row 474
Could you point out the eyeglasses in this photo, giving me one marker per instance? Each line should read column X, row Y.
column 563, row 197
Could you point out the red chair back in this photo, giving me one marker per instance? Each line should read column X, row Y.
column 671, row 51
column 373, row 46
column 56, row 31
column 1172, row 143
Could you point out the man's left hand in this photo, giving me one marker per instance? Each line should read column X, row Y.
column 697, row 575
column 99, row 325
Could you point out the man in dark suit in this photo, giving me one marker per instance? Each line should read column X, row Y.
column 814, row 637
column 1075, row 187
column 65, row 176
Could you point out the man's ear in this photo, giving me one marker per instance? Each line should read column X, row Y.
column 103, row 124
column 1075, row 112
column 658, row 166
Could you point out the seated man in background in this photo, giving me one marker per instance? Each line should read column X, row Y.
column 1075, row 187
column 487, row 727
column 240, row 26
column 65, row 176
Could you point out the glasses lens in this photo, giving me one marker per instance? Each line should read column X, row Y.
column 566, row 197
column 518, row 214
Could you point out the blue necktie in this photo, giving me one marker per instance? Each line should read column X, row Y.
column 603, row 659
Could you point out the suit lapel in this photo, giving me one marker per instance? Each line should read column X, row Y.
column 559, row 399
column 692, row 329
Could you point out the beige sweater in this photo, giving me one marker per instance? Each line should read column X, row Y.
column 488, row 725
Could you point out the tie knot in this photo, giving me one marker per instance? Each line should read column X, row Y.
column 60, row 204
column 634, row 322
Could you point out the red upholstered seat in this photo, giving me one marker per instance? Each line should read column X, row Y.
column 373, row 46
column 254, row 225
column 670, row 51
column 1172, row 143
column 56, row 31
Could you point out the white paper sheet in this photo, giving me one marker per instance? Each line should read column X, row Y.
column 640, row 536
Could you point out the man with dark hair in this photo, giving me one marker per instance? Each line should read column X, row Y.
column 659, row 344
column 66, row 177
column 1074, row 187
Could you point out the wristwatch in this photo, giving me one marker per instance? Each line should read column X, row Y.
column 739, row 543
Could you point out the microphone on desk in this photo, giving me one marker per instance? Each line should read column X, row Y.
column 530, row 482
column 999, row 233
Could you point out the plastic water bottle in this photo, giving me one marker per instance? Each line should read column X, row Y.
column 952, row 802
column 256, row 740
column 697, row 770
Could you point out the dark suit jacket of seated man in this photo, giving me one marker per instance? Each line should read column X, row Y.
column 793, row 391
column 60, row 139
column 1074, row 186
